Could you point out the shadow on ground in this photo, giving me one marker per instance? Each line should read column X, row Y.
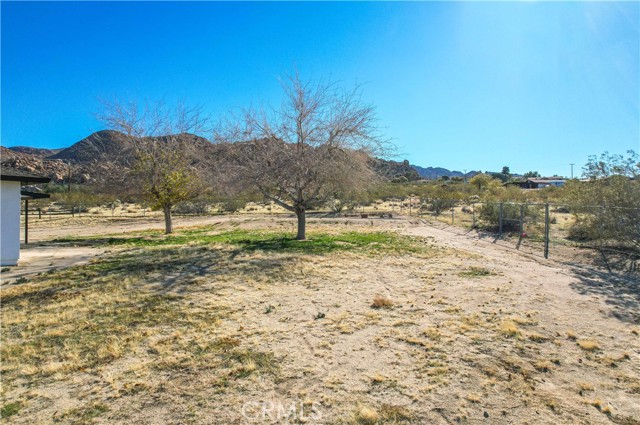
column 170, row 270
column 620, row 291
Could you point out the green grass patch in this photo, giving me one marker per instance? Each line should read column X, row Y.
column 10, row 409
column 83, row 415
column 250, row 241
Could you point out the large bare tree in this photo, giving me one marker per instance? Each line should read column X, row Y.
column 159, row 148
column 317, row 144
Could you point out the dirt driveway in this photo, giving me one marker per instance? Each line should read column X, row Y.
column 612, row 294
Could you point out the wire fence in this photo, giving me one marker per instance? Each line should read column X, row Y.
column 548, row 230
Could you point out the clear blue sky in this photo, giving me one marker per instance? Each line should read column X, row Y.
column 462, row 85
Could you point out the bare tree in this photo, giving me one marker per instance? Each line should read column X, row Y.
column 160, row 150
column 316, row 144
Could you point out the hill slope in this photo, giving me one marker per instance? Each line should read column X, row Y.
column 437, row 172
column 99, row 146
column 106, row 152
column 37, row 152
column 93, row 159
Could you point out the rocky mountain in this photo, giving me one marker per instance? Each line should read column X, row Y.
column 394, row 170
column 92, row 159
column 57, row 170
column 433, row 173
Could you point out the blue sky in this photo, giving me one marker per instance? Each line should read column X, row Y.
column 463, row 85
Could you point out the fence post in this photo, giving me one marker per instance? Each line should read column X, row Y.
column 26, row 221
column 473, row 210
column 521, row 226
column 500, row 220
column 410, row 202
column 546, row 230
column 39, row 213
column 452, row 215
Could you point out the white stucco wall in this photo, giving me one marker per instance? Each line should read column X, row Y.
column 9, row 223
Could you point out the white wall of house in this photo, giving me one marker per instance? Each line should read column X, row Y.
column 9, row 223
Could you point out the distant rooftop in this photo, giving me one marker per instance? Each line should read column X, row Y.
column 547, row 180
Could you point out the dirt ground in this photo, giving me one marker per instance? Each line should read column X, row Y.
column 472, row 332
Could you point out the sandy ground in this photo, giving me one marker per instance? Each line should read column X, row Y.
column 500, row 347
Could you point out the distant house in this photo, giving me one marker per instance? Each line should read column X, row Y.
column 539, row 183
column 11, row 181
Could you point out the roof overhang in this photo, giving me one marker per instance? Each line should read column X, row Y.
column 25, row 194
column 25, row 180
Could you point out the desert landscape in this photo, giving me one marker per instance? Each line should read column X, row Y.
column 321, row 213
column 368, row 321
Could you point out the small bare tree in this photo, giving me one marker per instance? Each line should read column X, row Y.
column 160, row 150
column 318, row 143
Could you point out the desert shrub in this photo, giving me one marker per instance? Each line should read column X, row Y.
column 437, row 206
column 441, row 198
column 197, row 207
column 53, row 188
column 232, row 204
column 79, row 199
column 607, row 210
column 338, row 205
column 490, row 214
column 580, row 233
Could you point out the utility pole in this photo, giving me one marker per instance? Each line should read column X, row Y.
column 572, row 164
column 465, row 175
column 69, row 177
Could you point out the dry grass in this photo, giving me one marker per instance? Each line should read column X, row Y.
column 509, row 328
column 586, row 386
column 589, row 344
column 536, row 337
column 382, row 302
column 386, row 414
column 365, row 416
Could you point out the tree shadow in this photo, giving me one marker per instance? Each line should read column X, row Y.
column 178, row 269
column 620, row 291
column 160, row 271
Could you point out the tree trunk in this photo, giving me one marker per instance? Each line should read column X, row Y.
column 302, row 224
column 168, row 224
